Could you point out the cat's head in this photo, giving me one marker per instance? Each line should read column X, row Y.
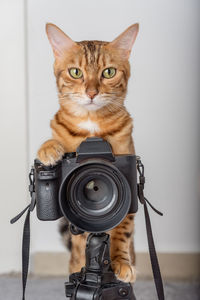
column 91, row 74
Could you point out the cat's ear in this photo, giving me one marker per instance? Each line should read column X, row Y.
column 59, row 41
column 126, row 40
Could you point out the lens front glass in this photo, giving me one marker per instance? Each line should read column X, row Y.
column 96, row 194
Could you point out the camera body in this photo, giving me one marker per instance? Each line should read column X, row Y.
column 92, row 188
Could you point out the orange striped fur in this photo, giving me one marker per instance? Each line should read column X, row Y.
column 93, row 105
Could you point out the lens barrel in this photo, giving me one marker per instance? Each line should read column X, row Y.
column 95, row 196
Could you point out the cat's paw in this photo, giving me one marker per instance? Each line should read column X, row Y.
column 50, row 152
column 124, row 271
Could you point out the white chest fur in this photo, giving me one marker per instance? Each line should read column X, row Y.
column 89, row 125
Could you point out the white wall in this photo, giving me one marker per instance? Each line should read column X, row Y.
column 13, row 131
column 163, row 98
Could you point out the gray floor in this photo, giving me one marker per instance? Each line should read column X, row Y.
column 53, row 289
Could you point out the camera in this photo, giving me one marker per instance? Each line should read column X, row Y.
column 92, row 188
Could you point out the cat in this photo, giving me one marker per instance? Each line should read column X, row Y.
column 92, row 79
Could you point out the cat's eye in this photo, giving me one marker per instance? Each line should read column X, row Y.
column 75, row 73
column 109, row 73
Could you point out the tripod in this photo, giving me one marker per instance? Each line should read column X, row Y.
column 97, row 281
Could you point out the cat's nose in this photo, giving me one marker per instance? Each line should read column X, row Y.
column 91, row 94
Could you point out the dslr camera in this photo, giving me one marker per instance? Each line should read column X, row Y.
column 92, row 188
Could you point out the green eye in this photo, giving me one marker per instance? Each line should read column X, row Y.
column 75, row 73
column 109, row 73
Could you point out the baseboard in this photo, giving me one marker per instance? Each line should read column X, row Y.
column 180, row 266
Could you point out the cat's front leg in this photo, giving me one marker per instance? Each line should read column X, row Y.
column 50, row 152
column 121, row 250
column 77, row 259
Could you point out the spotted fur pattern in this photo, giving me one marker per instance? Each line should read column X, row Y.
column 81, row 116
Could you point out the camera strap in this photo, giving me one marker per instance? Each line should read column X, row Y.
column 152, row 251
column 26, row 231
column 143, row 201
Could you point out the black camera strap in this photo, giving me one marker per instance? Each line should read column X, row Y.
column 152, row 251
column 144, row 202
column 26, row 231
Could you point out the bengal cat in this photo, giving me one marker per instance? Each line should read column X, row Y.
column 92, row 78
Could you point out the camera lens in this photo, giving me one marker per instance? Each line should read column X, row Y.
column 95, row 197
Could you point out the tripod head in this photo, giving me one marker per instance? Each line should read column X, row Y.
column 97, row 281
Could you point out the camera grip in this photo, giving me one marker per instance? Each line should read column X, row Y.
column 47, row 183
